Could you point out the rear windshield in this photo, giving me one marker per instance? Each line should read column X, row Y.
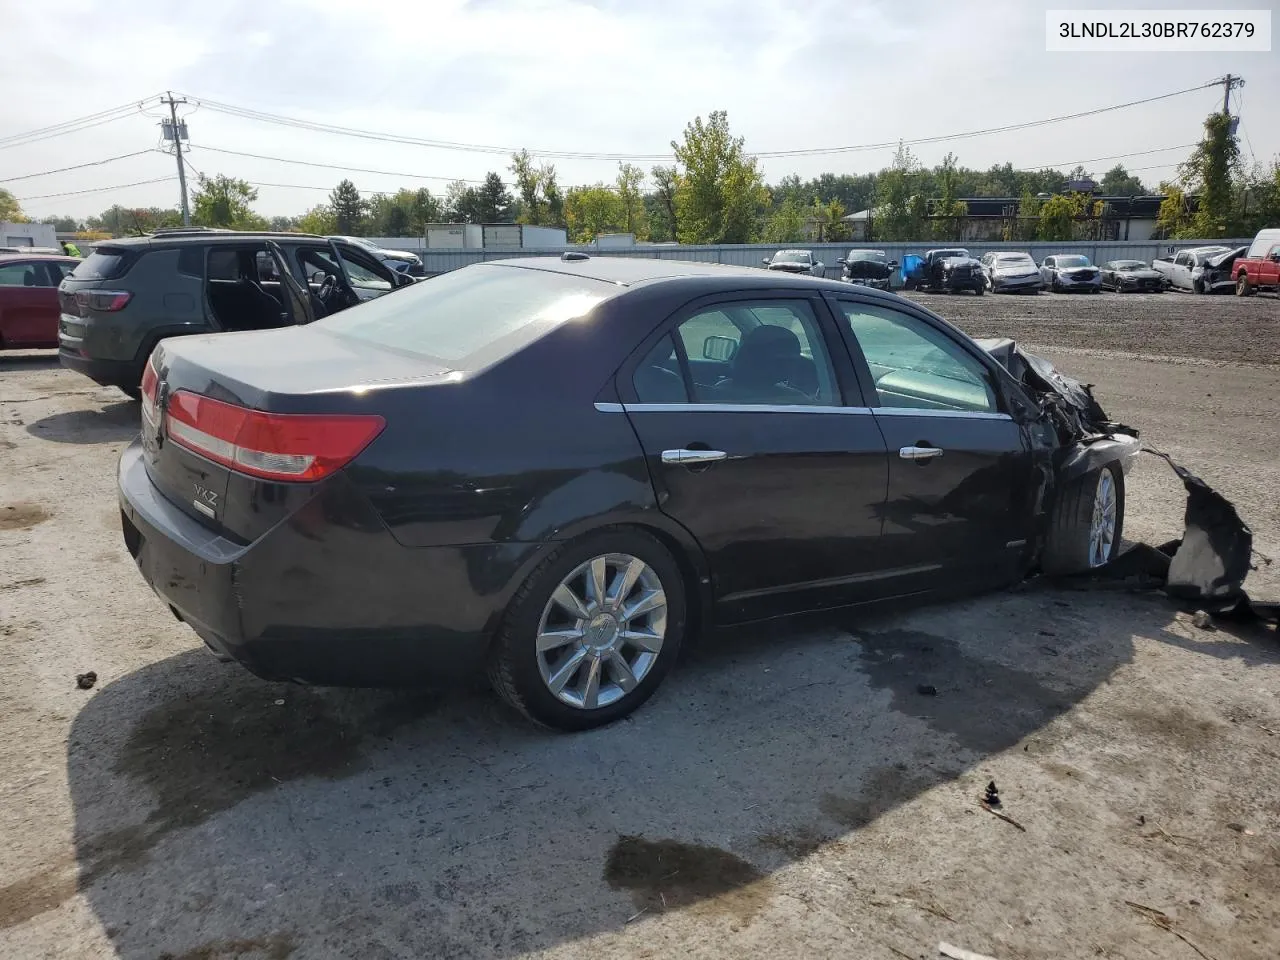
column 458, row 315
column 103, row 264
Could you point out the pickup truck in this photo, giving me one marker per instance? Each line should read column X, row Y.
column 1259, row 269
column 1185, row 270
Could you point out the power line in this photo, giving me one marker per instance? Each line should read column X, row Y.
column 73, row 126
column 1033, row 167
column 76, row 193
column 80, row 166
column 318, row 127
column 333, row 166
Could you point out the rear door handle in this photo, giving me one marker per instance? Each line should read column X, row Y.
column 686, row 456
column 919, row 453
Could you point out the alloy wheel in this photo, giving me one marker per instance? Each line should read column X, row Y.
column 602, row 631
column 1102, row 529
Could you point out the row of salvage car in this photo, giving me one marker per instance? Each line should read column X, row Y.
column 1207, row 269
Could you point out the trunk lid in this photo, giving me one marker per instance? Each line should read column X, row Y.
column 299, row 372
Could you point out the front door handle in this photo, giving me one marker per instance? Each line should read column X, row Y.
column 919, row 453
column 685, row 457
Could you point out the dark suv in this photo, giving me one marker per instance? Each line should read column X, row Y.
column 129, row 294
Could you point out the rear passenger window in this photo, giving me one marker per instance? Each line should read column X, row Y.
column 764, row 352
column 224, row 265
column 915, row 366
column 658, row 378
column 191, row 261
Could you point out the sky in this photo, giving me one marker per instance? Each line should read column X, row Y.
column 597, row 76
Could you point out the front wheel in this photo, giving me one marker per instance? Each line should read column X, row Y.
column 1197, row 286
column 980, row 289
column 1086, row 523
column 592, row 632
column 1243, row 287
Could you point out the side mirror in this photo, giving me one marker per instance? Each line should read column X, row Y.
column 842, row 261
column 819, row 265
column 1276, row 257
column 719, row 348
column 893, row 264
column 317, row 277
column 403, row 279
column 766, row 261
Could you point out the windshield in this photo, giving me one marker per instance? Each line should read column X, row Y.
column 479, row 309
column 1128, row 265
column 1073, row 261
column 359, row 242
column 877, row 255
column 791, row 256
column 941, row 254
column 1015, row 260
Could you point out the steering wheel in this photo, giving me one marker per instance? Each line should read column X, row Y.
column 327, row 286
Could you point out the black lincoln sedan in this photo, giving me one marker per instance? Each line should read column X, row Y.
column 557, row 468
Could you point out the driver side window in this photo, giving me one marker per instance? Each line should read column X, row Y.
column 915, row 366
column 362, row 276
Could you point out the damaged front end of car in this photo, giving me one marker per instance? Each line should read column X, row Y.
column 1203, row 569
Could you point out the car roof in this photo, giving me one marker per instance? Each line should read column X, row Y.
column 628, row 271
column 20, row 257
column 204, row 239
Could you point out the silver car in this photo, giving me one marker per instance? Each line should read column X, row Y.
column 795, row 261
column 1010, row 272
column 1070, row 272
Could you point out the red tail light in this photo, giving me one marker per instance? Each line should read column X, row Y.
column 150, row 383
column 104, row 301
column 273, row 446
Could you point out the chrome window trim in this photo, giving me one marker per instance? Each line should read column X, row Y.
column 795, row 408
column 955, row 414
column 725, row 408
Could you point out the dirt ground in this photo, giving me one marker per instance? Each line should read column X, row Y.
column 788, row 792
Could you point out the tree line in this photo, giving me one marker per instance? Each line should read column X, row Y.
column 714, row 192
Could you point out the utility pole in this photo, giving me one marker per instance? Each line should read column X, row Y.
column 177, row 133
column 1229, row 83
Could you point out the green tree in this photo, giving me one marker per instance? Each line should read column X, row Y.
column 319, row 220
column 10, row 209
column 1059, row 214
column 950, row 211
column 1119, row 182
column 1260, row 198
column 537, row 193
column 222, row 201
column 786, row 224
column 666, row 181
column 1211, row 172
column 898, row 208
column 630, row 185
column 493, row 200
column 348, row 208
column 424, row 209
column 283, row 224
column 590, row 211
column 828, row 219
column 1027, row 222
column 720, row 194
column 65, row 224
column 134, row 221
column 1174, row 217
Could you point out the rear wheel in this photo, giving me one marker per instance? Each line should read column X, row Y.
column 1086, row 524
column 1243, row 287
column 592, row 632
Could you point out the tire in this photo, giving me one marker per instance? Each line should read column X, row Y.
column 133, row 393
column 1053, row 285
column 1069, row 545
column 980, row 289
column 1197, row 286
column 1243, row 287
column 516, row 667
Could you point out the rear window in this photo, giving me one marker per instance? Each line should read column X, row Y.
column 103, row 264
column 478, row 309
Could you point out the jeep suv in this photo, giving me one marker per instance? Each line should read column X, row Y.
column 129, row 294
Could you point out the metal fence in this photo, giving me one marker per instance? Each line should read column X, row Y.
column 436, row 260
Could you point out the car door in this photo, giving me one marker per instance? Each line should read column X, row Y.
column 367, row 277
column 961, row 477
column 29, row 303
column 1269, row 270
column 768, row 457
column 294, row 296
column 1046, row 271
column 1182, row 264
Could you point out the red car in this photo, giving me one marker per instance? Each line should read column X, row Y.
column 29, row 298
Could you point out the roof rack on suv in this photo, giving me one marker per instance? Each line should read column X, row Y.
column 180, row 231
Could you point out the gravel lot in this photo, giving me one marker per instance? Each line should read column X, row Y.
column 787, row 793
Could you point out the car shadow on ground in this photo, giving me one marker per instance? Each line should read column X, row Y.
column 33, row 360
column 110, row 423
column 216, row 811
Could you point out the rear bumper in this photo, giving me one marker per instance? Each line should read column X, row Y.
column 318, row 601
column 108, row 373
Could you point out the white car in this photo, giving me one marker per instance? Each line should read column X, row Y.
column 1187, row 269
column 1010, row 272
column 1066, row 272
column 401, row 261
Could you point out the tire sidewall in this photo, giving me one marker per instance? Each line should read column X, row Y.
column 525, row 615
column 1117, row 478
